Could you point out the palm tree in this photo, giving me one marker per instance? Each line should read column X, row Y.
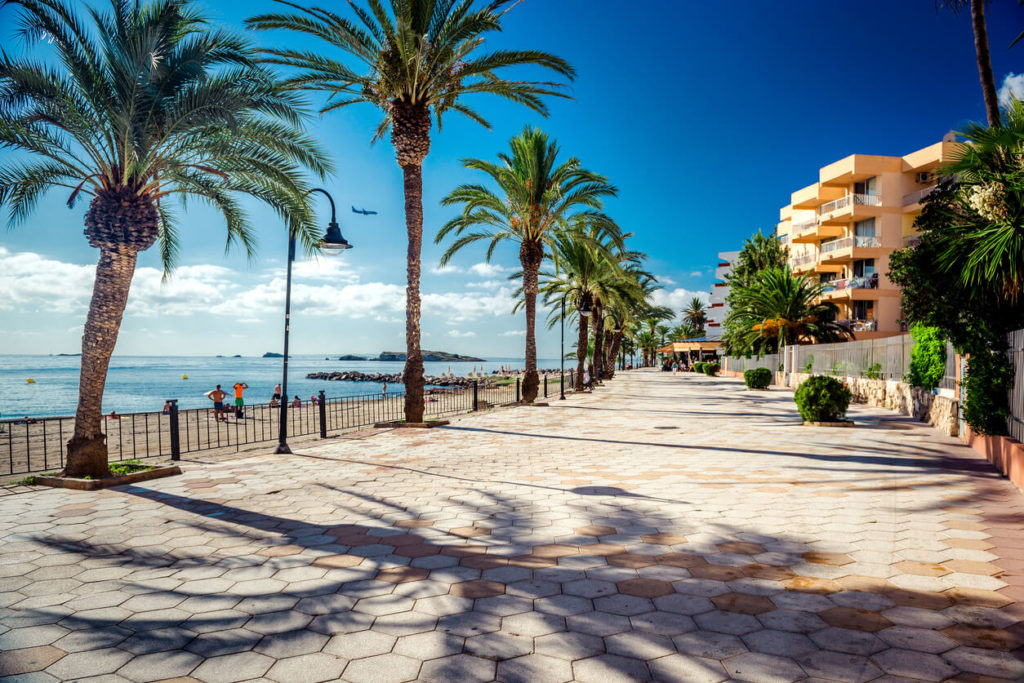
column 146, row 104
column 983, row 242
column 418, row 59
column 988, row 81
column 585, row 269
column 780, row 309
column 696, row 315
column 758, row 253
column 537, row 197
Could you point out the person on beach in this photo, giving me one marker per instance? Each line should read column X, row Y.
column 113, row 416
column 239, row 388
column 218, row 396
column 277, row 394
column 313, row 400
column 297, row 403
column 167, row 408
column 384, row 390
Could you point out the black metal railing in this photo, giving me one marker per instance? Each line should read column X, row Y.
column 38, row 444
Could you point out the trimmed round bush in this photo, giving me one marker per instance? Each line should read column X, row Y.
column 711, row 369
column 758, row 378
column 698, row 366
column 822, row 399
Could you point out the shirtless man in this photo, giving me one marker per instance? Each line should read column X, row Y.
column 218, row 396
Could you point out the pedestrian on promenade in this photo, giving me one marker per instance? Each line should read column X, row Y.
column 239, row 388
column 217, row 396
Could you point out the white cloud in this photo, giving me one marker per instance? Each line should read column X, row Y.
column 514, row 333
column 696, row 273
column 1013, row 87
column 445, row 270
column 458, row 334
column 678, row 298
column 487, row 284
column 489, row 269
column 30, row 282
column 665, row 280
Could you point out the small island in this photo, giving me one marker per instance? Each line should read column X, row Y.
column 351, row 357
column 271, row 354
column 431, row 357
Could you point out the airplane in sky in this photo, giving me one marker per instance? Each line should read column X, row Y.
column 365, row 212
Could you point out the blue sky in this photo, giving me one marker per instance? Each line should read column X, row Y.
column 705, row 115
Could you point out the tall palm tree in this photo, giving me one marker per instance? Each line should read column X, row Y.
column 984, row 59
column 696, row 315
column 146, row 104
column 626, row 308
column 536, row 198
column 781, row 309
column 758, row 253
column 415, row 60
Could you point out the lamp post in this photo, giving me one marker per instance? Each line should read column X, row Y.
column 331, row 244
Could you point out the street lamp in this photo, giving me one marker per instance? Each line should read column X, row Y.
column 332, row 243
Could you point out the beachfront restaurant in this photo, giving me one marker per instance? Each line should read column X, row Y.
column 693, row 350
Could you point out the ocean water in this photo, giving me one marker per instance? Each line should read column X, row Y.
column 143, row 383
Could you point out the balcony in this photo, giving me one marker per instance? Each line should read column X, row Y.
column 848, row 208
column 911, row 241
column 784, row 239
column 861, row 325
column 835, row 247
column 850, row 288
column 915, row 198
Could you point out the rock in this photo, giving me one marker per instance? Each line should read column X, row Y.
column 431, row 357
column 271, row 354
column 351, row 357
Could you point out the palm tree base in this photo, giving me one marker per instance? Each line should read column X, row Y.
column 87, row 457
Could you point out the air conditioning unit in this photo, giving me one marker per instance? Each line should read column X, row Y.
column 924, row 178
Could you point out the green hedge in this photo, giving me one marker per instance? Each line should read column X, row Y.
column 927, row 357
column 711, row 369
column 822, row 399
column 759, row 378
column 699, row 366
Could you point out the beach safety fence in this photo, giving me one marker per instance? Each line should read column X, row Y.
column 38, row 444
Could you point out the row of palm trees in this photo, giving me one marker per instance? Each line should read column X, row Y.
column 144, row 102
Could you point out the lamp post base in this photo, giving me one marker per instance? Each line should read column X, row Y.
column 283, row 449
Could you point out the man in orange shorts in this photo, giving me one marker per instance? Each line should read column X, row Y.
column 239, row 388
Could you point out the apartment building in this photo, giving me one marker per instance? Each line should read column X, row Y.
column 842, row 229
column 717, row 308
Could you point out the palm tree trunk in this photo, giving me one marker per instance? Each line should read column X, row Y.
column 87, row 449
column 613, row 352
column 412, row 175
column 581, row 351
column 530, row 256
column 598, row 343
column 988, row 82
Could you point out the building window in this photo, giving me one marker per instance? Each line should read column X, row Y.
column 866, row 186
column 864, row 267
column 863, row 310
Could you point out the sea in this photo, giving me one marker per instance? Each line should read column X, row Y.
column 142, row 383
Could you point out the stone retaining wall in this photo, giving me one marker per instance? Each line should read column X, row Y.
column 920, row 404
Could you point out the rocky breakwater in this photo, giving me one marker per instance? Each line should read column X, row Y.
column 395, row 378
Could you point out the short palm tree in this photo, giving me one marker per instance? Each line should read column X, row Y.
column 696, row 315
column 536, row 198
column 147, row 104
column 781, row 309
column 416, row 61
column 983, row 243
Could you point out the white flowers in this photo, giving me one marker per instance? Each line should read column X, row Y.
column 988, row 201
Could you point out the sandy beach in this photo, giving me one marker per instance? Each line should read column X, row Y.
column 38, row 444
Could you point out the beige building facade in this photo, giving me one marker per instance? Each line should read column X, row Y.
column 842, row 229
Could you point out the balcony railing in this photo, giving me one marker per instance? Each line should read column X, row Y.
column 870, row 282
column 911, row 240
column 850, row 200
column 806, row 226
column 847, row 242
column 917, row 197
column 861, row 325
column 802, row 259
column 784, row 239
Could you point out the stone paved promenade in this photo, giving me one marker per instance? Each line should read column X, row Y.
column 669, row 528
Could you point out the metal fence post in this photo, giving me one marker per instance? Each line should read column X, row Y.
column 517, row 390
column 545, row 386
column 175, row 439
column 476, row 391
column 322, row 404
